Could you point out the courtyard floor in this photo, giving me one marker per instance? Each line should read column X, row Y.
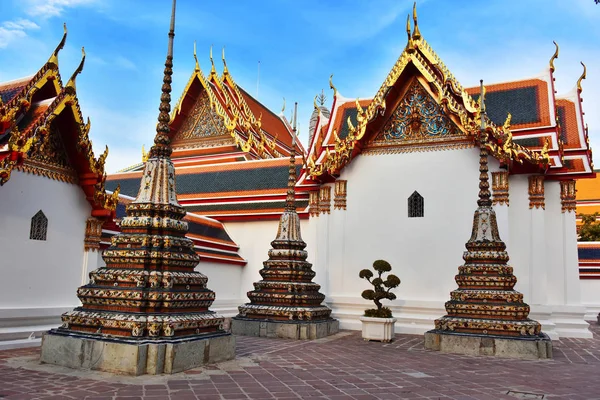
column 342, row 366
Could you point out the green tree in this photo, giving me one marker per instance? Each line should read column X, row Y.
column 589, row 231
column 381, row 289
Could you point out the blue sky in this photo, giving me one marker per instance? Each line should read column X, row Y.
column 298, row 43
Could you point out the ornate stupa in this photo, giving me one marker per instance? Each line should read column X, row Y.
column 485, row 314
column 286, row 303
column 147, row 307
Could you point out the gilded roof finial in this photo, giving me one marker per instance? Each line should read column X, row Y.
column 315, row 102
column 409, row 45
column 144, row 154
column 283, row 107
column 162, row 141
column 331, row 85
column 54, row 57
column 506, row 125
column 213, row 71
column 197, row 67
column 71, row 82
column 554, row 57
column 225, row 70
column 416, row 34
column 582, row 77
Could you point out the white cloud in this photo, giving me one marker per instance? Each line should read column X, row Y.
column 9, row 35
column 20, row 24
column 52, row 8
column 13, row 30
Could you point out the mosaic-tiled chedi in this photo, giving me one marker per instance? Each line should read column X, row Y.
column 149, row 289
column 485, row 301
column 287, row 292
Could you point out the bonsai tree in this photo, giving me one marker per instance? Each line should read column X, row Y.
column 381, row 289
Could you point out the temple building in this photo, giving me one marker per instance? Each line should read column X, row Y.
column 414, row 136
column 392, row 177
column 411, row 147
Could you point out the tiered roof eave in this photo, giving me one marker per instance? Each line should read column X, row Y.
column 28, row 142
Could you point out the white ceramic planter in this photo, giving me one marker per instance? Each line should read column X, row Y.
column 381, row 329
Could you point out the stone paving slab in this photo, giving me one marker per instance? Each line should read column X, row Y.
column 342, row 366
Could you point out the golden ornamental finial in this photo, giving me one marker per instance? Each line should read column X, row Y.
column 582, row 77
column 213, row 71
column 409, row 45
column 71, row 82
column 197, row 67
column 315, row 102
column 225, row 70
column 144, row 154
column 416, row 34
column 332, row 86
column 54, row 57
column 506, row 125
column 283, row 107
column 554, row 57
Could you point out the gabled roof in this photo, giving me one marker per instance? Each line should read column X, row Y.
column 211, row 240
column 351, row 127
column 228, row 191
column 245, row 122
column 28, row 122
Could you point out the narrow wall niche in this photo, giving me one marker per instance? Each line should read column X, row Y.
column 39, row 226
column 416, row 207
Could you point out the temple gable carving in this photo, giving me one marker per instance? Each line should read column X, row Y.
column 417, row 119
column 202, row 122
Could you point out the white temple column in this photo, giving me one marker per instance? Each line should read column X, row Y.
column 569, row 315
column 571, row 258
column 93, row 233
column 519, row 233
column 335, row 261
column 538, row 267
column 554, row 244
column 501, row 202
column 320, row 266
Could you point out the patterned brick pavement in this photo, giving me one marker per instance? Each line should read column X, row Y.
column 339, row 367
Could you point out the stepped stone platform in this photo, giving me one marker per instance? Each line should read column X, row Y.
column 532, row 348
column 282, row 329
column 152, row 357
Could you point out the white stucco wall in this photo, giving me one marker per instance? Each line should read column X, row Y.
column 41, row 276
column 424, row 252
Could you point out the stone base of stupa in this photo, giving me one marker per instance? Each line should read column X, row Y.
column 527, row 348
column 135, row 357
column 300, row 330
